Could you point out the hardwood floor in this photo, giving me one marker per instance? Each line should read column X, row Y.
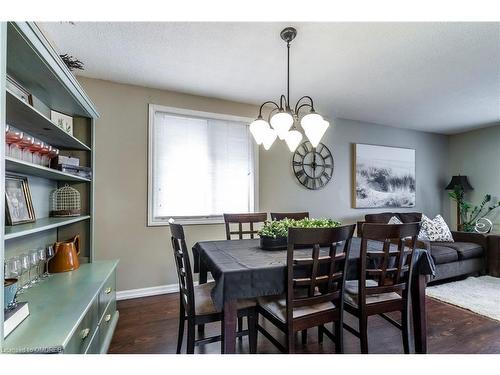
column 149, row 325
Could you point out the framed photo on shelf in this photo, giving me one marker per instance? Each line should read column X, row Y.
column 18, row 90
column 63, row 121
column 18, row 203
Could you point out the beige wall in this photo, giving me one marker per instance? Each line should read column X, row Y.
column 121, row 177
column 121, row 181
column 476, row 154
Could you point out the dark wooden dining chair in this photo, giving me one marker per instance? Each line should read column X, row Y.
column 241, row 219
column 196, row 305
column 289, row 215
column 314, row 286
column 384, row 278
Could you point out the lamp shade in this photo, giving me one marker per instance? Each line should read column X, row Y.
column 461, row 181
column 282, row 122
column 269, row 138
column 258, row 129
column 292, row 139
column 314, row 127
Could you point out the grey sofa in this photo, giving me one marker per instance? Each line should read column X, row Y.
column 465, row 256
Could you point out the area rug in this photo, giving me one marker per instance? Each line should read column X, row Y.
column 478, row 294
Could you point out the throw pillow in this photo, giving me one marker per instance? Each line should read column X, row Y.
column 435, row 229
column 394, row 220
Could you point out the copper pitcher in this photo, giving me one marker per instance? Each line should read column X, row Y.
column 66, row 256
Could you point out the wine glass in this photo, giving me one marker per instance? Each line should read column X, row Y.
column 13, row 270
column 44, row 154
column 33, row 256
column 49, row 254
column 24, row 144
column 25, row 267
column 35, row 151
column 12, row 137
column 42, row 256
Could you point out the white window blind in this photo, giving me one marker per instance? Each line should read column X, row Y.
column 200, row 167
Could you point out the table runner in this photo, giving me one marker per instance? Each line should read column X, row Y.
column 241, row 269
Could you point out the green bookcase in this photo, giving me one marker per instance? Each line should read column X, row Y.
column 28, row 57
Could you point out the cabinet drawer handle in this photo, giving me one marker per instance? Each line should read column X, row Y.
column 107, row 318
column 107, row 290
column 84, row 333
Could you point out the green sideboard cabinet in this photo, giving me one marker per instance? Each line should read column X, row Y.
column 72, row 312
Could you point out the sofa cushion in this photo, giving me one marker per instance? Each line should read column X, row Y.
column 436, row 229
column 410, row 217
column 443, row 254
column 465, row 250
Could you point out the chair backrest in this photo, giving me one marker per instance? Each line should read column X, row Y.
column 241, row 219
column 183, row 266
column 289, row 215
column 391, row 266
column 320, row 276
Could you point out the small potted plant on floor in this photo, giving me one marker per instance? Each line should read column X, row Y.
column 273, row 235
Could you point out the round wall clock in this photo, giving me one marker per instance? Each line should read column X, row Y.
column 313, row 167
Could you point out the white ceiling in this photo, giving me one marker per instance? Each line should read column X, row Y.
column 438, row 77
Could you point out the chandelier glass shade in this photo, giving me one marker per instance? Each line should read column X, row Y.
column 283, row 120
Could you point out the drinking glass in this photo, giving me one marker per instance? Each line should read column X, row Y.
column 33, row 256
column 44, row 154
column 12, row 137
column 35, row 151
column 53, row 152
column 42, row 257
column 49, row 254
column 13, row 270
column 24, row 144
column 25, row 267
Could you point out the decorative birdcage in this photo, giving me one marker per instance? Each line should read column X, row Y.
column 66, row 202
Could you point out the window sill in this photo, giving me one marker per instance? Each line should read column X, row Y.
column 187, row 221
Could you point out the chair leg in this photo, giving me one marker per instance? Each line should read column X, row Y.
column 405, row 330
column 201, row 329
column 252, row 331
column 339, row 337
column 303, row 334
column 190, row 337
column 363, row 333
column 320, row 334
column 180, row 334
column 240, row 327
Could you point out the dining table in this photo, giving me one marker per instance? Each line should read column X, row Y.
column 241, row 270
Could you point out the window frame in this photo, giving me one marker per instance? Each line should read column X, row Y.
column 193, row 220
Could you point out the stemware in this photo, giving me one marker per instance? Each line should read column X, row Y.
column 49, row 254
column 24, row 144
column 44, row 154
column 42, row 256
column 33, row 256
column 25, row 268
column 13, row 270
column 12, row 137
column 35, row 151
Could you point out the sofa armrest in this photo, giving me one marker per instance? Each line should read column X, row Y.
column 477, row 238
column 359, row 228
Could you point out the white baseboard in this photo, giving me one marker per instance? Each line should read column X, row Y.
column 148, row 292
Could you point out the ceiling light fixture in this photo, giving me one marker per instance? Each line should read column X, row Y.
column 283, row 119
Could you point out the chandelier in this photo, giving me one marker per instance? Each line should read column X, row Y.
column 283, row 120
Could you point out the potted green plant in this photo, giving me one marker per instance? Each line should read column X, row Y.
column 273, row 235
column 469, row 215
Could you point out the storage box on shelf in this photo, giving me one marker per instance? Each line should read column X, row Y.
column 59, row 320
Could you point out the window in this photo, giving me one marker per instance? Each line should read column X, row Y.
column 200, row 166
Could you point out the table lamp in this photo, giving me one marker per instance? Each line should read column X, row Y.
column 463, row 185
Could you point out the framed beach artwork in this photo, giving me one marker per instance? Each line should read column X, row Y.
column 384, row 177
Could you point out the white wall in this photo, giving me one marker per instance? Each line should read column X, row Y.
column 279, row 189
column 476, row 154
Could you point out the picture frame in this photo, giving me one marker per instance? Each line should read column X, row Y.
column 63, row 121
column 18, row 203
column 383, row 176
column 18, row 90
